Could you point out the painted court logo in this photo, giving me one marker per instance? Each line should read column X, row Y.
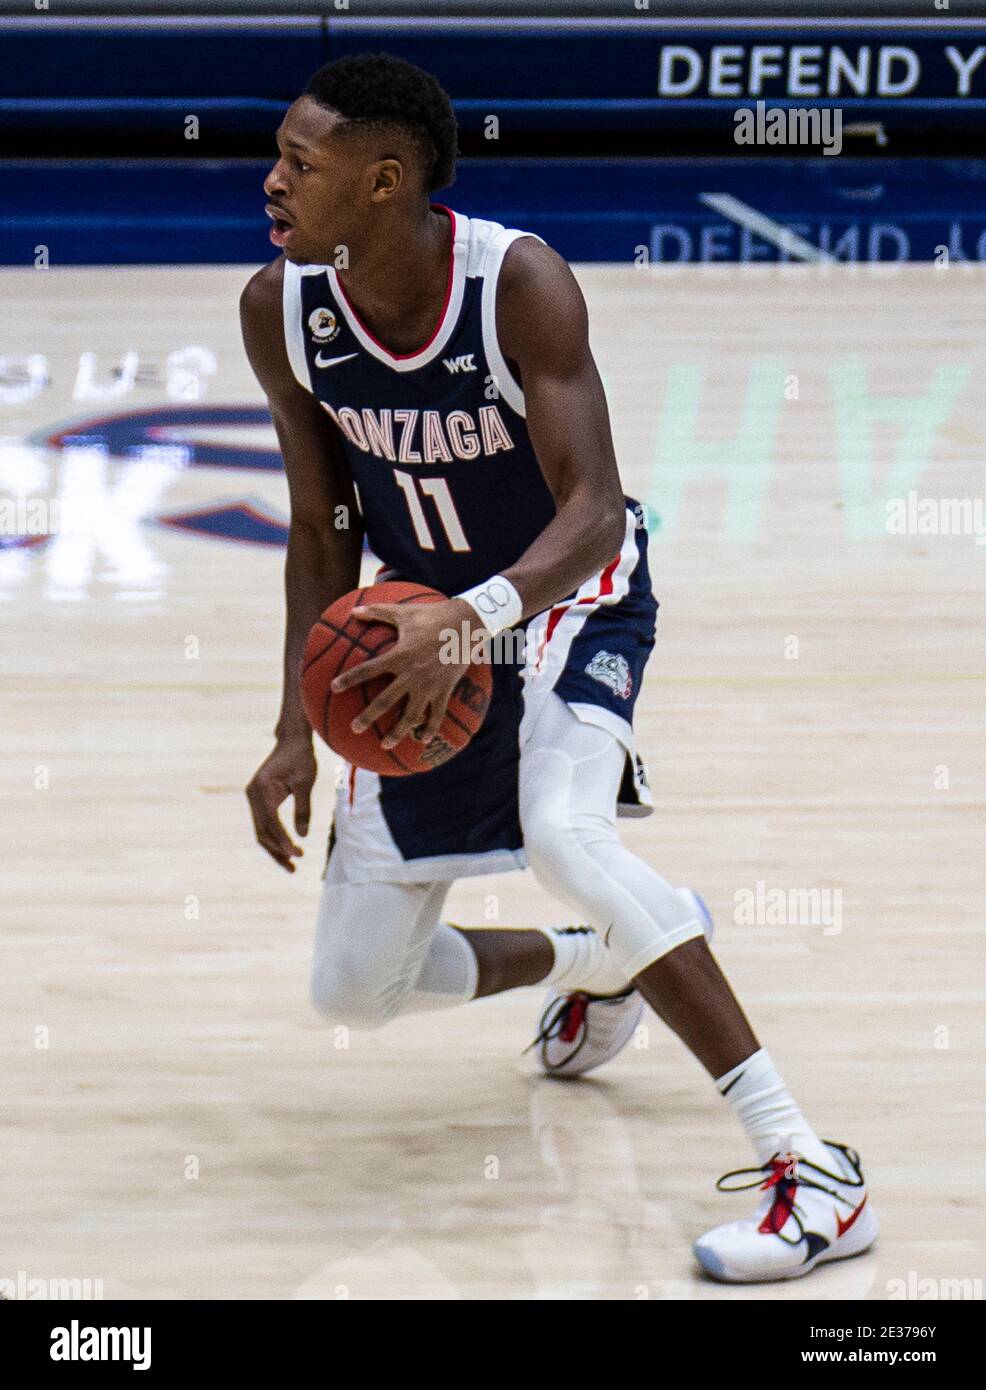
column 613, row 671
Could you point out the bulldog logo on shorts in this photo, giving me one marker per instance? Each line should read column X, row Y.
column 612, row 670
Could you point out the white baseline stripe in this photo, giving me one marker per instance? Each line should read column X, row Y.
column 765, row 227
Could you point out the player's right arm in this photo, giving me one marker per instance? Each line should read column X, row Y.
column 325, row 543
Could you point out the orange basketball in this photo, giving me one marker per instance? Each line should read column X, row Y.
column 338, row 642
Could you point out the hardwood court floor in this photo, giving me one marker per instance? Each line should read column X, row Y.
column 175, row 1119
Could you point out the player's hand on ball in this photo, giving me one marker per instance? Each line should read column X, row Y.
column 424, row 675
column 290, row 770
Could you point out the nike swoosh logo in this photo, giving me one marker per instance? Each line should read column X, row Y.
column 841, row 1227
column 321, row 361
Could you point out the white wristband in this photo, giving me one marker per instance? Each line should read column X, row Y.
column 497, row 603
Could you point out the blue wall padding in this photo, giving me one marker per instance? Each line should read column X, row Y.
column 578, row 76
column 110, row 212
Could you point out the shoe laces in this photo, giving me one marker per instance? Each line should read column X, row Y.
column 785, row 1174
column 563, row 1020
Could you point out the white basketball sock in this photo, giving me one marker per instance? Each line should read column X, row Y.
column 768, row 1113
column 449, row 975
column 583, row 962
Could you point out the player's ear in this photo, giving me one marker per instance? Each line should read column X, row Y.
column 386, row 177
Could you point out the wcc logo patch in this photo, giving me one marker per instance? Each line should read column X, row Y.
column 323, row 324
column 611, row 670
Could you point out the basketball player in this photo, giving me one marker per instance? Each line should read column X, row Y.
column 430, row 380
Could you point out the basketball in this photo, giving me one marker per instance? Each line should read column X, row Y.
column 338, row 642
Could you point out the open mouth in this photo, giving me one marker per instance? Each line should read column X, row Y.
column 282, row 225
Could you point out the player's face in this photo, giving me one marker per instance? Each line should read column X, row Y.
column 314, row 188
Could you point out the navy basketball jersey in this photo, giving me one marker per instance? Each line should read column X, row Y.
column 449, row 485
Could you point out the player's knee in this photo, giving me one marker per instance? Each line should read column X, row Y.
column 346, row 999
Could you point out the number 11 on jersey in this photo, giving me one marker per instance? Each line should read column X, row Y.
column 438, row 490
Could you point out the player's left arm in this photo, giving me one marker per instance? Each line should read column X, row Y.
column 543, row 327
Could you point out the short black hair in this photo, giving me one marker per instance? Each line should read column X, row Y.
column 377, row 89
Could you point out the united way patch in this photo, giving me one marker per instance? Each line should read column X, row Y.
column 611, row 670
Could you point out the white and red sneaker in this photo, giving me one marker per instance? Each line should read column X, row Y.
column 809, row 1215
column 579, row 1031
